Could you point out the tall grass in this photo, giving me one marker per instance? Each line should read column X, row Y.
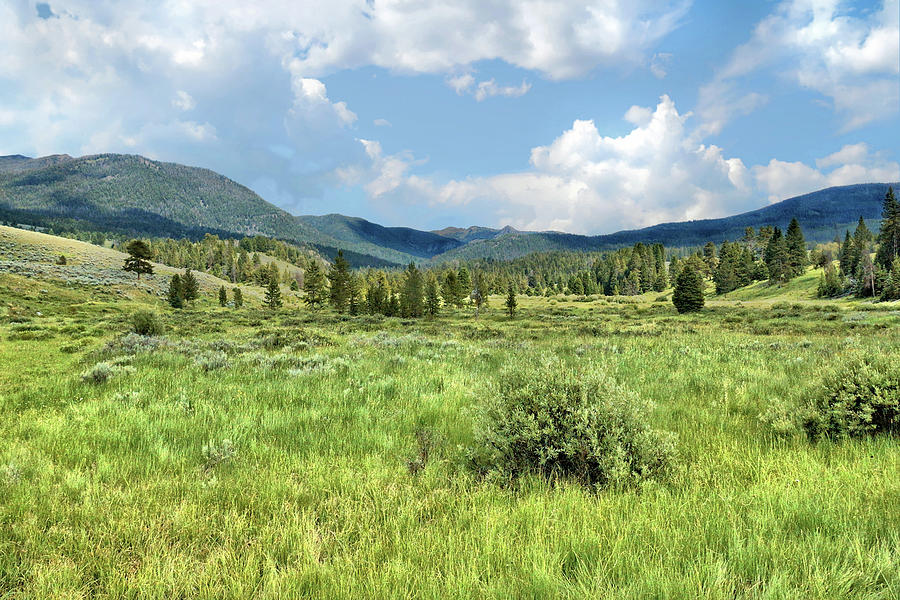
column 290, row 477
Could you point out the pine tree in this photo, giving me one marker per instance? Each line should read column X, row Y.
column 314, row 285
column 674, row 270
column 412, row 296
column 726, row 274
column 450, row 289
column 138, row 261
column 339, row 276
column 393, row 306
column 891, row 289
column 688, row 294
column 830, row 283
column 845, row 259
column 238, row 297
column 709, row 257
column 464, row 285
column 175, row 295
column 776, row 257
column 223, row 296
column 863, row 235
column 479, row 295
column 190, row 289
column 511, row 303
column 354, row 287
column 273, row 293
column 889, row 236
column 378, row 295
column 797, row 256
column 432, row 300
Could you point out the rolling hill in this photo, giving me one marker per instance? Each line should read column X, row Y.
column 132, row 195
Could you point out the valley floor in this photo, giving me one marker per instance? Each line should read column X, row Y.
column 257, row 454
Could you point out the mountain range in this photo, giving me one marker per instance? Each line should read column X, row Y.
column 133, row 195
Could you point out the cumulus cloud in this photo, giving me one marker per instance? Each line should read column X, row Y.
column 561, row 39
column 586, row 182
column 851, row 59
column 238, row 86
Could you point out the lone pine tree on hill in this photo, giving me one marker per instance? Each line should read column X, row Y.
column 223, row 296
column 511, row 303
column 138, row 261
column 273, row 293
column 238, row 297
column 688, row 294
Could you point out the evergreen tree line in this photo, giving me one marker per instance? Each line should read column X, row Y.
column 766, row 254
column 237, row 261
column 411, row 293
column 627, row 271
column 857, row 272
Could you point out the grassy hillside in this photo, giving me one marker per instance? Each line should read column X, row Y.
column 274, row 454
column 124, row 193
column 133, row 195
column 34, row 255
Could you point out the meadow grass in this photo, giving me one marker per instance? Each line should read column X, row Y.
column 258, row 454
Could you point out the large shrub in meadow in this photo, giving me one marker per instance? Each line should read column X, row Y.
column 145, row 322
column 860, row 397
column 563, row 424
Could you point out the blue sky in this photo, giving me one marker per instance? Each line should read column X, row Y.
column 579, row 116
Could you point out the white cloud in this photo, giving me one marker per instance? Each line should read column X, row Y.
column 461, row 83
column 489, row 88
column 466, row 84
column 251, row 74
column 381, row 123
column 852, row 59
column 183, row 101
column 561, row 39
column 586, row 182
column 853, row 163
column 311, row 99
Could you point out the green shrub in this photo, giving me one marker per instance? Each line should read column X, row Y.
column 99, row 373
column 558, row 423
column 860, row 397
column 145, row 322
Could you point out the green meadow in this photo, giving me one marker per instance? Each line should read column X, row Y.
column 288, row 453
